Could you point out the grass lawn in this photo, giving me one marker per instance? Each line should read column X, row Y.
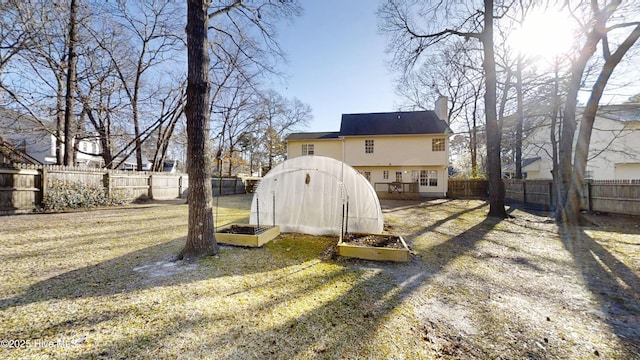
column 101, row 284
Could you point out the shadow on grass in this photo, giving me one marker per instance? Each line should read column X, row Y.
column 391, row 206
column 145, row 268
column 613, row 283
column 313, row 333
column 108, row 277
column 327, row 330
column 440, row 222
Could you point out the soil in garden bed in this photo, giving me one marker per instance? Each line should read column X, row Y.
column 243, row 230
column 386, row 241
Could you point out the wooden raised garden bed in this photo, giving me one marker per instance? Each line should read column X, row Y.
column 246, row 235
column 374, row 247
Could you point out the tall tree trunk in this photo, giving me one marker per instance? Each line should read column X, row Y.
column 555, row 116
column 473, row 138
column 565, row 149
column 136, row 130
column 572, row 207
column 201, row 239
column 60, row 103
column 494, row 168
column 520, row 119
column 71, row 81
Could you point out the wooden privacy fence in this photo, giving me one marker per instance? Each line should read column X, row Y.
column 467, row 188
column 610, row 196
column 539, row 192
column 22, row 189
column 227, row 186
column 19, row 190
column 615, row 196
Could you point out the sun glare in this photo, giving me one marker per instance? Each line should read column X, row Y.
column 544, row 34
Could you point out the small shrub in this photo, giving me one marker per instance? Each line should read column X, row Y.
column 63, row 195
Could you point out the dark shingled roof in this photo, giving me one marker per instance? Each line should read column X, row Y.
column 313, row 135
column 393, row 123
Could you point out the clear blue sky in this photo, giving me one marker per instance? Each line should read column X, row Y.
column 337, row 61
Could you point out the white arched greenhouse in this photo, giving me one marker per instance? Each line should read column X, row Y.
column 316, row 195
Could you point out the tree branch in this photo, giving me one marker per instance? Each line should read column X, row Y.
column 225, row 9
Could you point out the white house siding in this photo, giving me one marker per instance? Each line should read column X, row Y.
column 627, row 171
column 612, row 142
column 323, row 147
column 538, row 170
column 407, row 150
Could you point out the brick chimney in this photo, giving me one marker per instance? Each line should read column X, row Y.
column 441, row 108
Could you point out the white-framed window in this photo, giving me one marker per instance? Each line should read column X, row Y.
column 368, row 146
column 415, row 175
column 437, row 144
column 308, row 149
column 398, row 176
column 433, row 177
column 428, row 177
column 385, row 174
column 367, row 175
column 424, row 179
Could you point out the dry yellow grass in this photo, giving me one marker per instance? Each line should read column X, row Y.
column 101, row 284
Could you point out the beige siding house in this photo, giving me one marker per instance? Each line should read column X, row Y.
column 398, row 152
column 614, row 152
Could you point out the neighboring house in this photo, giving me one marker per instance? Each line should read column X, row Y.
column 34, row 138
column 130, row 164
column 614, row 151
column 396, row 151
column 530, row 169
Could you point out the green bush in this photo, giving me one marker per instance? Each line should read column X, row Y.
column 63, row 195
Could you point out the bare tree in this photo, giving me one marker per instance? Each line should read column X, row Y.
column 412, row 37
column 37, row 84
column 236, row 112
column 452, row 74
column 571, row 175
column 277, row 117
column 232, row 20
column 171, row 110
column 148, row 33
column 201, row 239
column 13, row 38
column 69, row 135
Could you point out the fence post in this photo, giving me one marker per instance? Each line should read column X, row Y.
column 43, row 182
column 524, row 191
column 106, row 182
column 589, row 201
column 150, row 183
column 551, row 204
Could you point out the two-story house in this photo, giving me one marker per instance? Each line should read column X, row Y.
column 613, row 152
column 398, row 152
